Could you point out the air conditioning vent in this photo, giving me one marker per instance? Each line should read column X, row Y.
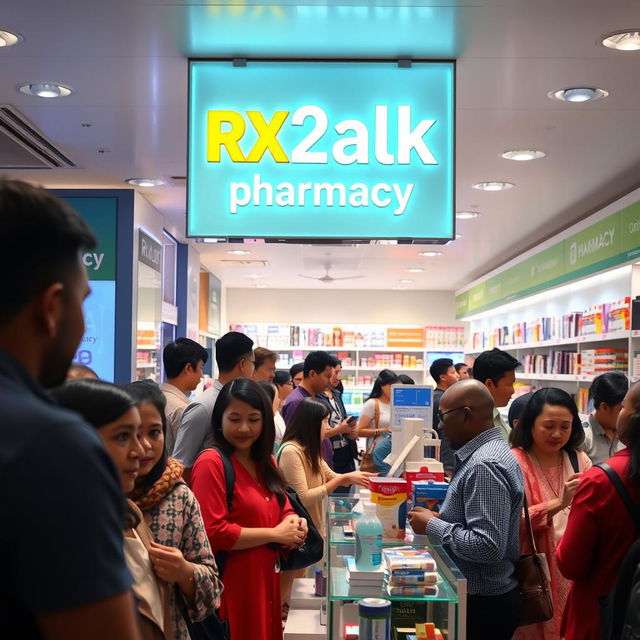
column 22, row 146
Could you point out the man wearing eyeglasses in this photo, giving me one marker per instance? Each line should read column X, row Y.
column 479, row 521
column 234, row 357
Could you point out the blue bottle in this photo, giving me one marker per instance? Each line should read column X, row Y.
column 368, row 539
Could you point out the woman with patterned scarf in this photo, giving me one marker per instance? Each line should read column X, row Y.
column 173, row 515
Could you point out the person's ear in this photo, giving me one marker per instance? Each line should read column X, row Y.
column 49, row 307
column 490, row 384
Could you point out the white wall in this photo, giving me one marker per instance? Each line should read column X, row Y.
column 193, row 288
column 417, row 308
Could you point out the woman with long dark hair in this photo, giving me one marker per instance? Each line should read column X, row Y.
column 376, row 411
column 113, row 413
column 545, row 442
column 600, row 531
column 173, row 515
column 260, row 522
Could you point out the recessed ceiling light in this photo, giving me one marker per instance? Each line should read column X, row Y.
column 522, row 155
column 467, row 215
column 405, row 281
column 620, row 40
column 238, row 252
column 144, row 182
column 493, row 186
column 430, row 254
column 254, row 276
column 578, row 94
column 414, row 269
column 8, row 38
column 45, row 90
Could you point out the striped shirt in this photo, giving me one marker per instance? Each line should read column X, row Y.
column 479, row 521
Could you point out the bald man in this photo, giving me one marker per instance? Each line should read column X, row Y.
column 479, row 521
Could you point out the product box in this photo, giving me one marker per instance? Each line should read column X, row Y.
column 429, row 495
column 390, row 497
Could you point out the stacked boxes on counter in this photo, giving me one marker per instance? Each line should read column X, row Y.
column 409, row 572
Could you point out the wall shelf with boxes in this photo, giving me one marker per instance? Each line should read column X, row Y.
column 363, row 349
column 570, row 334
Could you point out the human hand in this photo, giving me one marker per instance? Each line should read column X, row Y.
column 569, row 490
column 418, row 519
column 169, row 564
column 290, row 532
column 361, row 478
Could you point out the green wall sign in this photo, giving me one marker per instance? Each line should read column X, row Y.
column 607, row 243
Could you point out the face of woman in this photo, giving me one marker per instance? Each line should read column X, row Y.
column 241, row 425
column 285, row 389
column 153, row 436
column 386, row 391
column 123, row 440
column 630, row 405
column 552, row 428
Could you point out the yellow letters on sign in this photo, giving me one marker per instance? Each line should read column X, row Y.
column 217, row 138
column 267, row 136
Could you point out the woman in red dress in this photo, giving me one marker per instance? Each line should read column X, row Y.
column 261, row 521
column 600, row 529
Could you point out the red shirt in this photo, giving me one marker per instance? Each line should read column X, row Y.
column 598, row 535
column 251, row 597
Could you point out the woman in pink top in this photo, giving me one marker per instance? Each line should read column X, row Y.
column 545, row 440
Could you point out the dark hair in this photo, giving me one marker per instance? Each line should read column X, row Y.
column 148, row 391
column 54, row 233
column 82, row 371
column 521, row 433
column 316, row 361
column 335, row 361
column 493, row 365
column 296, row 369
column 177, row 355
column 609, row 387
column 269, row 388
column 633, row 437
column 405, row 379
column 262, row 355
column 97, row 401
column 281, row 377
column 517, row 407
column 386, row 376
column 304, row 427
column 250, row 392
column 439, row 368
column 459, row 365
column 231, row 348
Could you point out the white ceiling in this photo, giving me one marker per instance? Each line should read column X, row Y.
column 127, row 62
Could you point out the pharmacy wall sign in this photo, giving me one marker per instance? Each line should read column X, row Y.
column 301, row 150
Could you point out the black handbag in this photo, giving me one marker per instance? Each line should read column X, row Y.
column 211, row 628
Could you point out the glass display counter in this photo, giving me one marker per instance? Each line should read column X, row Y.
column 446, row 608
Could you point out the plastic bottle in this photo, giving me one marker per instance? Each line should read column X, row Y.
column 368, row 539
column 364, row 495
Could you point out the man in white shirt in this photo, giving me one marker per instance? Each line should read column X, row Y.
column 183, row 362
column 496, row 369
column 234, row 357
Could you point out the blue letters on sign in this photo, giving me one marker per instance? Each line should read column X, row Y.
column 321, row 150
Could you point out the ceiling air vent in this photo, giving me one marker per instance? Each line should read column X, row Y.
column 22, row 146
column 244, row 263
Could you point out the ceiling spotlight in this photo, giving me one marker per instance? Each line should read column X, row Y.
column 8, row 38
column 414, row 269
column 254, row 276
column 493, row 186
column 620, row 40
column 467, row 215
column 522, row 155
column 429, row 254
column 405, row 281
column 145, row 182
column 45, row 90
column 238, row 252
column 578, row 94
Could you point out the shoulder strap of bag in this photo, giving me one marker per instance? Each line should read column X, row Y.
column 633, row 509
column 229, row 475
column 281, row 449
column 376, row 413
column 573, row 458
column 532, row 540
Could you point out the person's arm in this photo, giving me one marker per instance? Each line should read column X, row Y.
column 484, row 541
column 576, row 551
column 343, row 427
column 292, row 466
column 380, row 452
column 113, row 617
column 191, row 436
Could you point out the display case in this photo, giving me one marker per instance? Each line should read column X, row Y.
column 447, row 608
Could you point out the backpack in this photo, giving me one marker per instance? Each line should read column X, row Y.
column 620, row 610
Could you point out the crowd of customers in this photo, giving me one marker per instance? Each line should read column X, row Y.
column 163, row 512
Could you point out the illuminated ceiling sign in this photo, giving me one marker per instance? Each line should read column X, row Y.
column 321, row 150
